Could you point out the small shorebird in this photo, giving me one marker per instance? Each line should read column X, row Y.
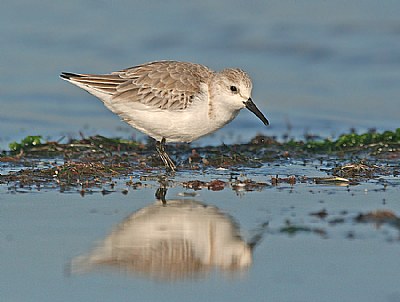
column 172, row 101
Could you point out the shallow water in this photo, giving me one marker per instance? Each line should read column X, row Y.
column 317, row 66
column 320, row 67
column 47, row 238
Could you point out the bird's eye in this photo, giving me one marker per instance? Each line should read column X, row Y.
column 233, row 88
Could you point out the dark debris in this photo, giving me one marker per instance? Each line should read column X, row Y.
column 96, row 161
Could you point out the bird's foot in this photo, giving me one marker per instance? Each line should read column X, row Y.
column 169, row 164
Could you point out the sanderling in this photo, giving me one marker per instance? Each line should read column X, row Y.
column 172, row 101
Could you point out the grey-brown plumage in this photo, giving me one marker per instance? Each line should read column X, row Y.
column 164, row 85
column 172, row 101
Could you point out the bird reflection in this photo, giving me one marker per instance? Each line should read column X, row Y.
column 171, row 240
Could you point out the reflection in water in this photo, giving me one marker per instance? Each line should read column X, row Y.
column 176, row 240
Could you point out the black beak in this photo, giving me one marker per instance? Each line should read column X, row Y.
column 253, row 108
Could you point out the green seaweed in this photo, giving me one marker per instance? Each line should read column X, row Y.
column 353, row 140
column 26, row 143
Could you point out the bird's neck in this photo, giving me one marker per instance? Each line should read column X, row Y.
column 221, row 114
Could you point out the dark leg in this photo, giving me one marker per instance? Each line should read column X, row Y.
column 169, row 164
column 160, row 194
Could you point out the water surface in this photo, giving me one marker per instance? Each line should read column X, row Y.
column 319, row 67
column 47, row 237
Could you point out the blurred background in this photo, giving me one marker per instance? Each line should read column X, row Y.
column 319, row 67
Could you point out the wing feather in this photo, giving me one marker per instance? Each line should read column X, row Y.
column 165, row 85
column 172, row 85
